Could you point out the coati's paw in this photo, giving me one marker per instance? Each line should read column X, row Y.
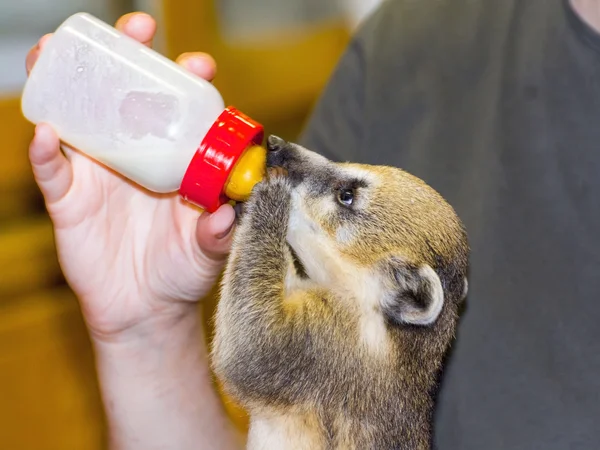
column 275, row 172
column 277, row 176
column 271, row 197
column 275, row 184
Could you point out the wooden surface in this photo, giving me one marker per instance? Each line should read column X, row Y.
column 49, row 397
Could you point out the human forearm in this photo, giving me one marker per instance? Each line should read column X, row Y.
column 158, row 391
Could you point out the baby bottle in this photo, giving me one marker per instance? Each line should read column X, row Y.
column 142, row 115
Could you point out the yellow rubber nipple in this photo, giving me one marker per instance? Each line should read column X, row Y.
column 248, row 171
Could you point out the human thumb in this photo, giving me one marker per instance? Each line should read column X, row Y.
column 214, row 232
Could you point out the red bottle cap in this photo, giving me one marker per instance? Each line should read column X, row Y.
column 204, row 181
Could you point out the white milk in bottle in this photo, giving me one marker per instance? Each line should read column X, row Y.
column 141, row 114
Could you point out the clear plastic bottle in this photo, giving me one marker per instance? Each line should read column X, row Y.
column 142, row 115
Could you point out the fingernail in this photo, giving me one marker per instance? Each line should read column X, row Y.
column 226, row 232
column 43, row 41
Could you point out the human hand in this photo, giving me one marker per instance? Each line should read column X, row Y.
column 132, row 257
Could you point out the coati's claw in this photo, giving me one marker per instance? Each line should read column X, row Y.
column 275, row 172
column 275, row 184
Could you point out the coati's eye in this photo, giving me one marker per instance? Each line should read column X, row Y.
column 346, row 196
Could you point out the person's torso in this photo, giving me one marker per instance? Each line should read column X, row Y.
column 496, row 104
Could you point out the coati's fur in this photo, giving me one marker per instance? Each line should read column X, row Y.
column 338, row 304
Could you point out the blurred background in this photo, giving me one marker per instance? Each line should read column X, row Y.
column 49, row 396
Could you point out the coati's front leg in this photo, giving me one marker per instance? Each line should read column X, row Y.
column 264, row 346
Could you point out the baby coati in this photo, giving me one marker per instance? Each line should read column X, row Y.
column 338, row 303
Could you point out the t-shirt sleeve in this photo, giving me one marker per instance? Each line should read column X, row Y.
column 335, row 128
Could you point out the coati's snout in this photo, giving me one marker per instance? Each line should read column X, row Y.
column 298, row 162
column 279, row 152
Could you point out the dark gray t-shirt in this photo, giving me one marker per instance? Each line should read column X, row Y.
column 496, row 104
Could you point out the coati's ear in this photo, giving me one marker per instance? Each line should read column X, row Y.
column 417, row 296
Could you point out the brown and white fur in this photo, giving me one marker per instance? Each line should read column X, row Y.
column 338, row 304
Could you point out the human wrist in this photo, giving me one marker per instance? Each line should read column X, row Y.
column 158, row 389
column 170, row 326
column 160, row 349
column 164, row 318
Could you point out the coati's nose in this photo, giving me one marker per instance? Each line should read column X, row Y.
column 275, row 143
column 277, row 151
column 281, row 153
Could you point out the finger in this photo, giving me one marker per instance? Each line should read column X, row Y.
column 214, row 232
column 34, row 53
column 138, row 25
column 200, row 64
column 51, row 170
